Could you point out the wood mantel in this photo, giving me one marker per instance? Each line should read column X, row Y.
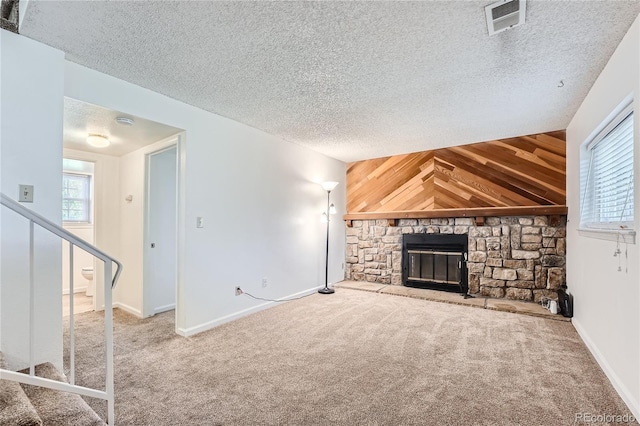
column 464, row 212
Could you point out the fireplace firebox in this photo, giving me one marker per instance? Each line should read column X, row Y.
column 435, row 261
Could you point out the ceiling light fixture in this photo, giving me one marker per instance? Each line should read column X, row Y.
column 98, row 141
column 125, row 121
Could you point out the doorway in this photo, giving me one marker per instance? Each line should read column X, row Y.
column 120, row 201
column 78, row 219
column 161, row 225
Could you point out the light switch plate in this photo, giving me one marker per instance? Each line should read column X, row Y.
column 199, row 222
column 26, row 194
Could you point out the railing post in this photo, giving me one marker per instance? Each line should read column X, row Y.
column 72, row 337
column 108, row 331
column 32, row 337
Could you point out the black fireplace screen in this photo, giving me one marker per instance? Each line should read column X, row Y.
column 435, row 261
column 435, row 266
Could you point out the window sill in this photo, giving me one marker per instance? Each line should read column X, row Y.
column 77, row 225
column 622, row 235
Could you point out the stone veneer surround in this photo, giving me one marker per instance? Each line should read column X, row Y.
column 520, row 258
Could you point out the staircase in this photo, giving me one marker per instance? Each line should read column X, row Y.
column 26, row 405
column 41, row 395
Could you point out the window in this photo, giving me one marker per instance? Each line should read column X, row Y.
column 76, row 198
column 607, row 176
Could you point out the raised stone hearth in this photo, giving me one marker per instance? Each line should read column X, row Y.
column 520, row 258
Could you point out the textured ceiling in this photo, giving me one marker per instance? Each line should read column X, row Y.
column 353, row 80
column 82, row 119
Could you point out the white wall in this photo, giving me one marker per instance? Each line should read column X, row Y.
column 257, row 196
column 607, row 302
column 31, row 108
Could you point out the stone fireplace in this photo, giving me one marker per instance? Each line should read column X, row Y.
column 514, row 257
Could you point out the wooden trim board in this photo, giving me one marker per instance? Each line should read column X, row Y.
column 463, row 212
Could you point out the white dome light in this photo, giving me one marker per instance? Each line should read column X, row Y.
column 98, row 141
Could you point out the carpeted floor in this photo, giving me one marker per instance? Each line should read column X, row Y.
column 352, row 358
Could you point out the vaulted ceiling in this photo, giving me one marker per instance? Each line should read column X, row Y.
column 353, row 80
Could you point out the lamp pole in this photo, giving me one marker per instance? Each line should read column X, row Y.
column 326, row 290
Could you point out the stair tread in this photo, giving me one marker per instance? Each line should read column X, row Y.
column 15, row 407
column 56, row 407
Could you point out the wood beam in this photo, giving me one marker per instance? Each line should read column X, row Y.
column 463, row 212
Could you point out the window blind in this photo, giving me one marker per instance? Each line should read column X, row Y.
column 608, row 197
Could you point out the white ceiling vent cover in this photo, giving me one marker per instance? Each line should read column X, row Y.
column 504, row 15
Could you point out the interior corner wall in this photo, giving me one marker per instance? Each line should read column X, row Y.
column 607, row 302
column 32, row 81
column 259, row 197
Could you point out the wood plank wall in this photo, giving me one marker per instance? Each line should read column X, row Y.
column 523, row 171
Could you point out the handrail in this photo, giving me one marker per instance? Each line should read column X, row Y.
column 31, row 378
column 61, row 232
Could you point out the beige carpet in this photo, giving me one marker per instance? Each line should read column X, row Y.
column 352, row 358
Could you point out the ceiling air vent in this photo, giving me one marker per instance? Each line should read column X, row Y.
column 504, row 15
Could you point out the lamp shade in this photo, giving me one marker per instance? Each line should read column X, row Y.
column 98, row 141
column 329, row 185
column 332, row 209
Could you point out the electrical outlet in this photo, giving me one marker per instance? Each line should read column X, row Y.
column 238, row 291
column 265, row 281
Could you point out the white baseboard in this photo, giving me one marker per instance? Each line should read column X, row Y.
column 164, row 308
column 186, row 332
column 623, row 391
column 75, row 290
column 127, row 308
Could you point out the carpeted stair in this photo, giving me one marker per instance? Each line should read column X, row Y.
column 26, row 405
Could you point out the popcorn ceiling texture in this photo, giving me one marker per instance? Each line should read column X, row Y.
column 353, row 80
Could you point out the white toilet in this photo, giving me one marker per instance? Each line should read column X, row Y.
column 87, row 273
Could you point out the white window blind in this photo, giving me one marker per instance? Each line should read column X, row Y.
column 76, row 198
column 607, row 177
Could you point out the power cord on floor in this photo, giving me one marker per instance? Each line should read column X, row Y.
column 276, row 300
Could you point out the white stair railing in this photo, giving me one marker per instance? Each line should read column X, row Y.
column 109, row 277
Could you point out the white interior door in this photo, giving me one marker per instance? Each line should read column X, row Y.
column 160, row 274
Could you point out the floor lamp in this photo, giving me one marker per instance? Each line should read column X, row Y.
column 326, row 217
